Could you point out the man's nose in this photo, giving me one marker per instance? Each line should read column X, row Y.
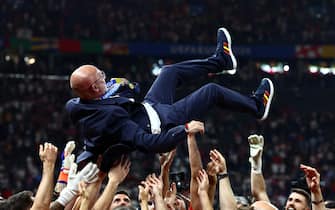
column 123, row 203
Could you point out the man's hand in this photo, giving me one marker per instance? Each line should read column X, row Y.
column 312, row 178
column 203, row 182
column 211, row 169
column 68, row 157
column 88, row 174
column 48, row 153
column 219, row 161
column 143, row 191
column 194, row 127
column 171, row 195
column 155, row 184
column 119, row 172
column 67, row 161
column 166, row 159
column 256, row 144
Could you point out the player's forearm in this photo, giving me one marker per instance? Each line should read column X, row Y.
column 106, row 198
column 205, row 201
column 194, row 155
column 212, row 188
column 317, row 200
column 258, row 187
column 144, row 205
column 165, row 171
column 159, row 202
column 44, row 193
column 195, row 165
column 56, row 206
column 227, row 199
column 92, row 190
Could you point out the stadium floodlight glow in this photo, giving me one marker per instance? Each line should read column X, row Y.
column 156, row 70
column 324, row 70
column 274, row 68
column 266, row 67
column 286, row 68
column 29, row 60
column 313, row 69
column 157, row 67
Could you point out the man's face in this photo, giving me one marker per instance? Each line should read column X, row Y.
column 99, row 80
column 120, row 200
column 296, row 201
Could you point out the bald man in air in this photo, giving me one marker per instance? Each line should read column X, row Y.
column 106, row 113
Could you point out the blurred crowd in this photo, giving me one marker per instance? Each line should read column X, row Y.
column 32, row 113
column 299, row 129
column 175, row 21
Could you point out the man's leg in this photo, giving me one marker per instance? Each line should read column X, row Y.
column 171, row 76
column 196, row 105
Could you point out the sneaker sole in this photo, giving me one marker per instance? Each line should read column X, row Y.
column 267, row 107
column 225, row 31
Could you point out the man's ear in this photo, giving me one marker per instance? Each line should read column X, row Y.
column 94, row 87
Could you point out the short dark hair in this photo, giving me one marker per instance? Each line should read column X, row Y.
column 300, row 186
column 303, row 193
column 124, row 192
column 20, row 201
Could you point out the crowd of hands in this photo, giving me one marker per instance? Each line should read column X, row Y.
column 82, row 189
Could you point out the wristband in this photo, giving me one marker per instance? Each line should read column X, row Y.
column 186, row 127
column 63, row 177
column 317, row 202
column 222, row 176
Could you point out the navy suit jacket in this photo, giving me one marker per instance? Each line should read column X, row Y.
column 119, row 121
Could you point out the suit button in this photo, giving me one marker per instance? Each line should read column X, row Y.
column 148, row 125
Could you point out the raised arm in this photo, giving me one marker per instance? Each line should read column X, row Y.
column 166, row 160
column 194, row 127
column 116, row 175
column 212, row 178
column 143, row 195
column 48, row 155
column 156, row 187
column 67, row 160
column 313, row 182
column 226, row 194
column 203, row 185
column 258, row 187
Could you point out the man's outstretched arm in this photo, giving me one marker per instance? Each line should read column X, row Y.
column 258, row 187
column 195, row 162
column 48, row 155
column 313, row 182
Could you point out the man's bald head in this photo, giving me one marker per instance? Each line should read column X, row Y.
column 82, row 79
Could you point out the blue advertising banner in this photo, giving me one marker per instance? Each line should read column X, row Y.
column 257, row 51
column 161, row 49
column 148, row 49
column 273, row 51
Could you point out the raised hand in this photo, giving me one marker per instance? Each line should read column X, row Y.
column 194, row 127
column 219, row 161
column 120, row 171
column 312, row 178
column 48, row 153
column 203, row 182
